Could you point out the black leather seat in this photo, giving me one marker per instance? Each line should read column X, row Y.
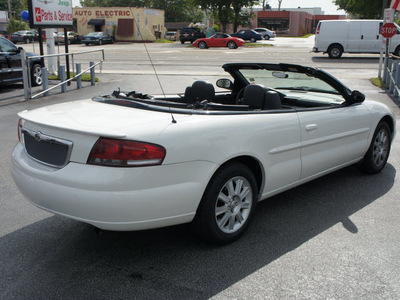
column 199, row 91
column 257, row 96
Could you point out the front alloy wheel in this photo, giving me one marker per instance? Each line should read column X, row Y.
column 36, row 75
column 378, row 153
column 228, row 204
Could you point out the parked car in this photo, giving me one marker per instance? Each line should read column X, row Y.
column 133, row 161
column 190, row 34
column 10, row 64
column 219, row 40
column 73, row 38
column 4, row 33
column 171, row 35
column 248, row 35
column 266, row 33
column 24, row 36
column 98, row 38
column 336, row 37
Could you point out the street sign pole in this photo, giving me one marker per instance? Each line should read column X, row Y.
column 388, row 18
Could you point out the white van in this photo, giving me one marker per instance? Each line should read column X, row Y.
column 352, row 36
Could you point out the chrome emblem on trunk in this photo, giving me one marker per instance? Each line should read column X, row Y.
column 38, row 136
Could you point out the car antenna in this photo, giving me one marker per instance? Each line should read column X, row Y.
column 154, row 69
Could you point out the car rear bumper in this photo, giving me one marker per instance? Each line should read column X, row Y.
column 114, row 198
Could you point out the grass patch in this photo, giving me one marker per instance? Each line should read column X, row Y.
column 85, row 77
column 378, row 82
column 162, row 41
column 255, row 45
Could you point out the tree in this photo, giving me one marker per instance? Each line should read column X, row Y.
column 229, row 11
column 363, row 9
column 17, row 6
column 240, row 16
column 16, row 25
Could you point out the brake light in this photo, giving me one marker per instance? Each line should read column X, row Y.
column 319, row 26
column 123, row 153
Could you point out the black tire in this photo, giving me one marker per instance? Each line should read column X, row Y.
column 378, row 152
column 253, row 40
column 182, row 42
column 86, row 44
column 232, row 45
column 228, row 204
column 266, row 37
column 36, row 75
column 27, row 40
column 100, row 42
column 202, row 45
column 335, row 51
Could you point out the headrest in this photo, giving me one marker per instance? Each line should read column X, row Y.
column 257, row 96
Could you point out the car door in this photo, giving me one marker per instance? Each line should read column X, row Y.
column 10, row 61
column 332, row 137
column 370, row 34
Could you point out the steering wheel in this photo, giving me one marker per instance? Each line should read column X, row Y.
column 239, row 96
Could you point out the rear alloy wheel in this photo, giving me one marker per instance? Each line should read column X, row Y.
column 266, row 37
column 202, row 45
column 36, row 75
column 335, row 51
column 378, row 152
column 27, row 41
column 100, row 42
column 228, row 204
column 253, row 40
column 232, row 45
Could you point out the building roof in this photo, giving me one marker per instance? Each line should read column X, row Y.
column 176, row 25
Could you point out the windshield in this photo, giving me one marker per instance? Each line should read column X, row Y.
column 285, row 80
column 94, row 34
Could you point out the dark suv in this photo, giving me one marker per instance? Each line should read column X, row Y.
column 190, row 34
column 10, row 64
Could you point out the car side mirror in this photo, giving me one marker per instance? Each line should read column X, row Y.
column 357, row 96
column 224, row 83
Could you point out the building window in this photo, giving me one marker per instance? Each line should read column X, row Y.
column 125, row 27
column 274, row 24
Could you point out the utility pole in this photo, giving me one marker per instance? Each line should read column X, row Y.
column 279, row 6
column 385, row 4
column 9, row 9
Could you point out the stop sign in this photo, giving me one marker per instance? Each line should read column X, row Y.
column 388, row 30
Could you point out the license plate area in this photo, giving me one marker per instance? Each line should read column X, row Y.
column 48, row 150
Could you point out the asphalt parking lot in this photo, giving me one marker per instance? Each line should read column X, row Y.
column 337, row 237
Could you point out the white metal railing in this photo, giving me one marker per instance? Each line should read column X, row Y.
column 392, row 76
column 26, row 63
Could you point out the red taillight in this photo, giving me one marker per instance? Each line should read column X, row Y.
column 318, row 27
column 122, row 153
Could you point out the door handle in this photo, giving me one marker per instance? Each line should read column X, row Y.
column 311, row 127
column 362, row 37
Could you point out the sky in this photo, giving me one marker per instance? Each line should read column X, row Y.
column 327, row 5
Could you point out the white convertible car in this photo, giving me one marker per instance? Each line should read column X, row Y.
column 131, row 161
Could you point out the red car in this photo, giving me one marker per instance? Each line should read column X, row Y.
column 219, row 40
